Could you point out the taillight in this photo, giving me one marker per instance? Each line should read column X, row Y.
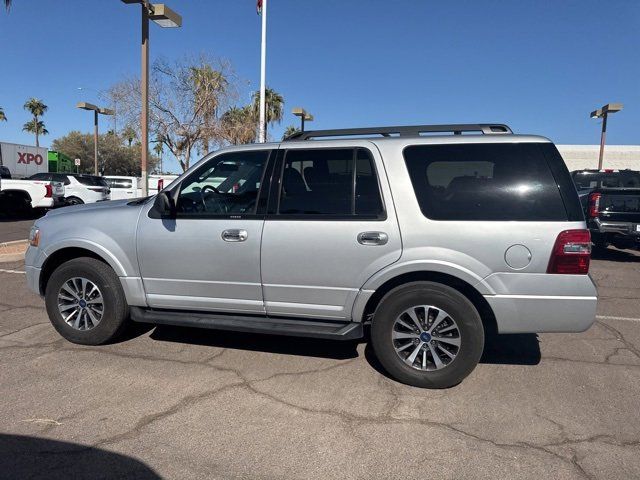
column 49, row 190
column 571, row 253
column 160, row 184
column 594, row 204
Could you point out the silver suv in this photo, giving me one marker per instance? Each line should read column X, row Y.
column 431, row 235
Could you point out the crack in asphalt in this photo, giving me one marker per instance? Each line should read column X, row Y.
column 351, row 421
column 23, row 328
column 620, row 337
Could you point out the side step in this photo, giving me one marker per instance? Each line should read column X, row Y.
column 328, row 329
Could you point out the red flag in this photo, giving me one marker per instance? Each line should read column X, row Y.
column 259, row 7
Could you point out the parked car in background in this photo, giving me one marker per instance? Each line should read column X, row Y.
column 79, row 189
column 611, row 203
column 21, row 196
column 130, row 187
column 5, row 172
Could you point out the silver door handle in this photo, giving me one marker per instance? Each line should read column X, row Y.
column 373, row 238
column 234, row 235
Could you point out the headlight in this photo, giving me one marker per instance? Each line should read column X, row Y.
column 34, row 237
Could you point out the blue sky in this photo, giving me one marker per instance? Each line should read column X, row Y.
column 539, row 65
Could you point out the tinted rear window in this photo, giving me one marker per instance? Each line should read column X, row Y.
column 92, row 181
column 505, row 181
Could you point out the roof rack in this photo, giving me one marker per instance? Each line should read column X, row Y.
column 404, row 131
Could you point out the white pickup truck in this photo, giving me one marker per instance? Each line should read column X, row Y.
column 21, row 196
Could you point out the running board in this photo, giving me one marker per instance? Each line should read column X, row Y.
column 328, row 329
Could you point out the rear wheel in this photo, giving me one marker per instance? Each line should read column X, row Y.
column 85, row 302
column 74, row 201
column 427, row 335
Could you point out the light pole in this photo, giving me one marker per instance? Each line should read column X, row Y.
column 165, row 17
column 262, row 130
column 304, row 116
column 96, row 111
column 603, row 113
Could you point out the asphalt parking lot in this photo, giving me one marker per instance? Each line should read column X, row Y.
column 184, row 403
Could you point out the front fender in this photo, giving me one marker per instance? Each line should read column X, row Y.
column 113, row 255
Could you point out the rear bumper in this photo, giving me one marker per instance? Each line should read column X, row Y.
column 541, row 302
column 538, row 313
column 604, row 227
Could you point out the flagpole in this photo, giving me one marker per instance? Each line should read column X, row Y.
column 263, row 74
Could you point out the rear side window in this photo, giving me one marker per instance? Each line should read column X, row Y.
column 92, row 181
column 330, row 182
column 41, row 176
column 119, row 182
column 505, row 181
column 58, row 177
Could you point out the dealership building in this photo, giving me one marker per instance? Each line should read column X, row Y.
column 617, row 157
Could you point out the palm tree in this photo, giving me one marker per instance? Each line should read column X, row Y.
column 129, row 134
column 274, row 107
column 37, row 108
column 35, row 127
column 237, row 125
column 290, row 130
column 208, row 86
column 3, row 117
column 158, row 149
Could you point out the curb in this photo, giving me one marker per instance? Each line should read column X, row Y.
column 16, row 253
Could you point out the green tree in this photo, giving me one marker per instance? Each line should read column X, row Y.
column 36, row 108
column 115, row 157
column 36, row 127
column 290, row 130
column 3, row 117
column 274, row 107
column 237, row 125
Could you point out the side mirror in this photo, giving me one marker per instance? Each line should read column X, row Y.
column 164, row 205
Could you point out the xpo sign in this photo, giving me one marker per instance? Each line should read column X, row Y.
column 23, row 160
column 27, row 158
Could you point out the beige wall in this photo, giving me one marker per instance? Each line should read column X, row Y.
column 615, row 156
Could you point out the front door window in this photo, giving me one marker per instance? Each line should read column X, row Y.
column 225, row 185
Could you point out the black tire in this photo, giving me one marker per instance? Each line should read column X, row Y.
column 441, row 296
column 116, row 310
column 74, row 201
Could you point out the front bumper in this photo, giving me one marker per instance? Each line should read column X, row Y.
column 33, row 260
column 33, row 279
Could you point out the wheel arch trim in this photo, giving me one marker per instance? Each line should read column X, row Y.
column 428, row 270
column 81, row 243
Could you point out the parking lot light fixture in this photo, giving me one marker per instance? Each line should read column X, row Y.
column 167, row 18
column 96, row 111
column 304, row 116
column 603, row 113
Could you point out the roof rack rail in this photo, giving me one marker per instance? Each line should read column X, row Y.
column 404, row 131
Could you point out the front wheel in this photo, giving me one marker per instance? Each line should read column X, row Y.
column 427, row 334
column 85, row 302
